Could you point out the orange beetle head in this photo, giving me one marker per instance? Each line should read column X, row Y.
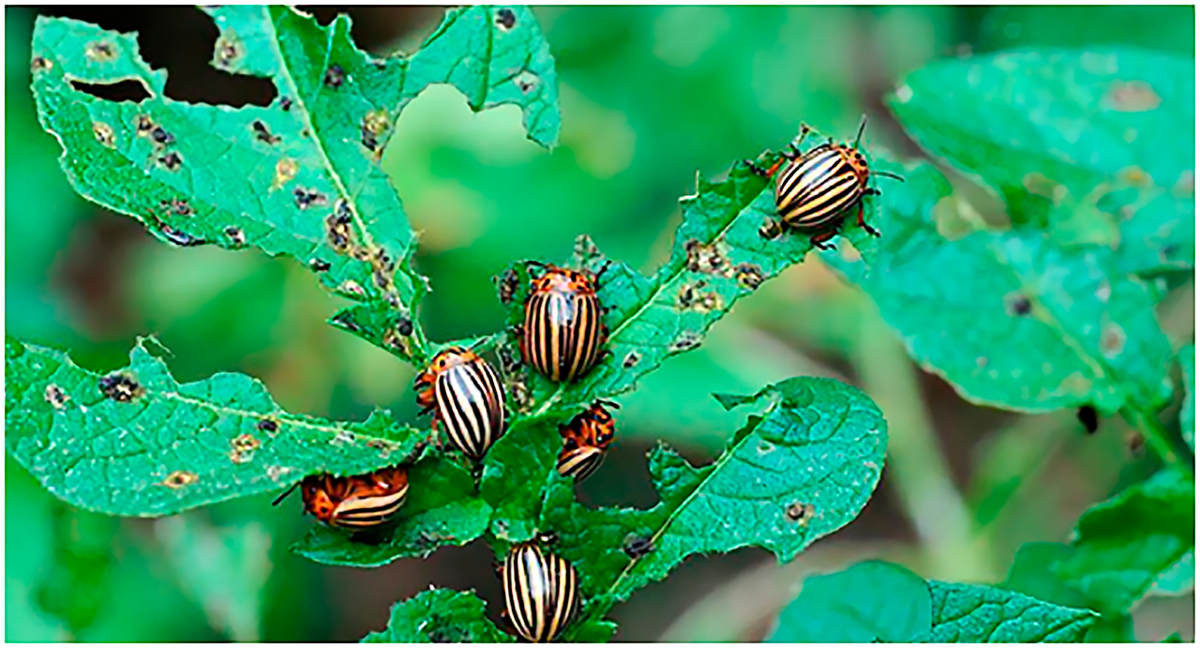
column 451, row 357
column 566, row 280
column 316, row 499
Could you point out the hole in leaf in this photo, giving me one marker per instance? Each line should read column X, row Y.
column 128, row 90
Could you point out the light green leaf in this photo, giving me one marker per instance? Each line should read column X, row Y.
column 224, row 569
column 442, row 508
column 1127, row 543
column 1086, row 329
column 1187, row 413
column 1095, row 147
column 801, row 471
column 440, row 616
column 979, row 614
column 1179, row 579
column 280, row 177
column 719, row 256
column 869, row 602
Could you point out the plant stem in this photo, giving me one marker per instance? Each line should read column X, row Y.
column 920, row 473
column 1156, row 436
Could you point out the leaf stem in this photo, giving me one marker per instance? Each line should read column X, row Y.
column 920, row 472
column 1152, row 430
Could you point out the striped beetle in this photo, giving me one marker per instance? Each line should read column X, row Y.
column 585, row 440
column 564, row 326
column 355, row 502
column 819, row 188
column 541, row 590
column 466, row 394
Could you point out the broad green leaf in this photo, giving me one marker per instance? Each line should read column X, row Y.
column 440, row 616
column 223, row 569
column 74, row 586
column 169, row 447
column 442, row 508
column 1179, row 579
column 869, row 602
column 1086, row 330
column 1187, row 414
column 719, row 256
column 979, row 614
column 800, row 471
column 1095, row 147
column 300, row 177
column 1127, row 543
column 1032, row 573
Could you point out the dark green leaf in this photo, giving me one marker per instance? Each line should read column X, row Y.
column 442, row 508
column 224, row 569
column 800, row 472
column 1094, row 146
column 74, row 586
column 1125, row 544
column 1087, row 330
column 1031, row 573
column 978, row 614
column 440, row 616
column 1187, row 414
column 173, row 446
column 719, row 256
column 870, row 602
column 277, row 178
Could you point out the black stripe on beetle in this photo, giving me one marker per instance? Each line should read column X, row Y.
column 541, row 592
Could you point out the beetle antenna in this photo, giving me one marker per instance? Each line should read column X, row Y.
column 888, row 174
column 609, row 403
column 861, row 127
column 285, row 494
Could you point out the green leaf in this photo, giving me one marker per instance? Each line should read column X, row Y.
column 1086, row 328
column 1179, row 579
column 442, row 508
column 1032, row 573
column 1187, row 413
column 224, row 569
column 441, row 616
column 869, row 602
column 168, row 447
column 1127, row 543
column 978, row 614
column 801, row 471
column 719, row 256
column 277, row 177
column 74, row 586
column 1093, row 146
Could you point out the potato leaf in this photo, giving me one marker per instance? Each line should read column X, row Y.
column 1076, row 329
column 979, row 614
column 440, row 616
column 719, row 256
column 800, row 471
column 300, row 177
column 1094, row 147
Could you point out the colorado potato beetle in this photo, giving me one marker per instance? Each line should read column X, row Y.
column 355, row 502
column 466, row 395
column 585, row 439
column 541, row 590
column 820, row 187
column 564, row 328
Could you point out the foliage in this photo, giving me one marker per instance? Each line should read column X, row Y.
column 1088, row 151
column 882, row 602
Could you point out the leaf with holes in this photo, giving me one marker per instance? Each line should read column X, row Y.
column 724, row 250
column 1095, row 147
column 300, row 177
column 801, row 470
column 440, row 616
column 962, row 304
column 1123, row 546
column 136, row 442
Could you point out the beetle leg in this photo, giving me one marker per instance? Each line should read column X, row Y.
column 603, row 269
column 862, row 223
column 817, row 239
column 755, row 169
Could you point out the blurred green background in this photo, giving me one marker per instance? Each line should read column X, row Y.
column 649, row 96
